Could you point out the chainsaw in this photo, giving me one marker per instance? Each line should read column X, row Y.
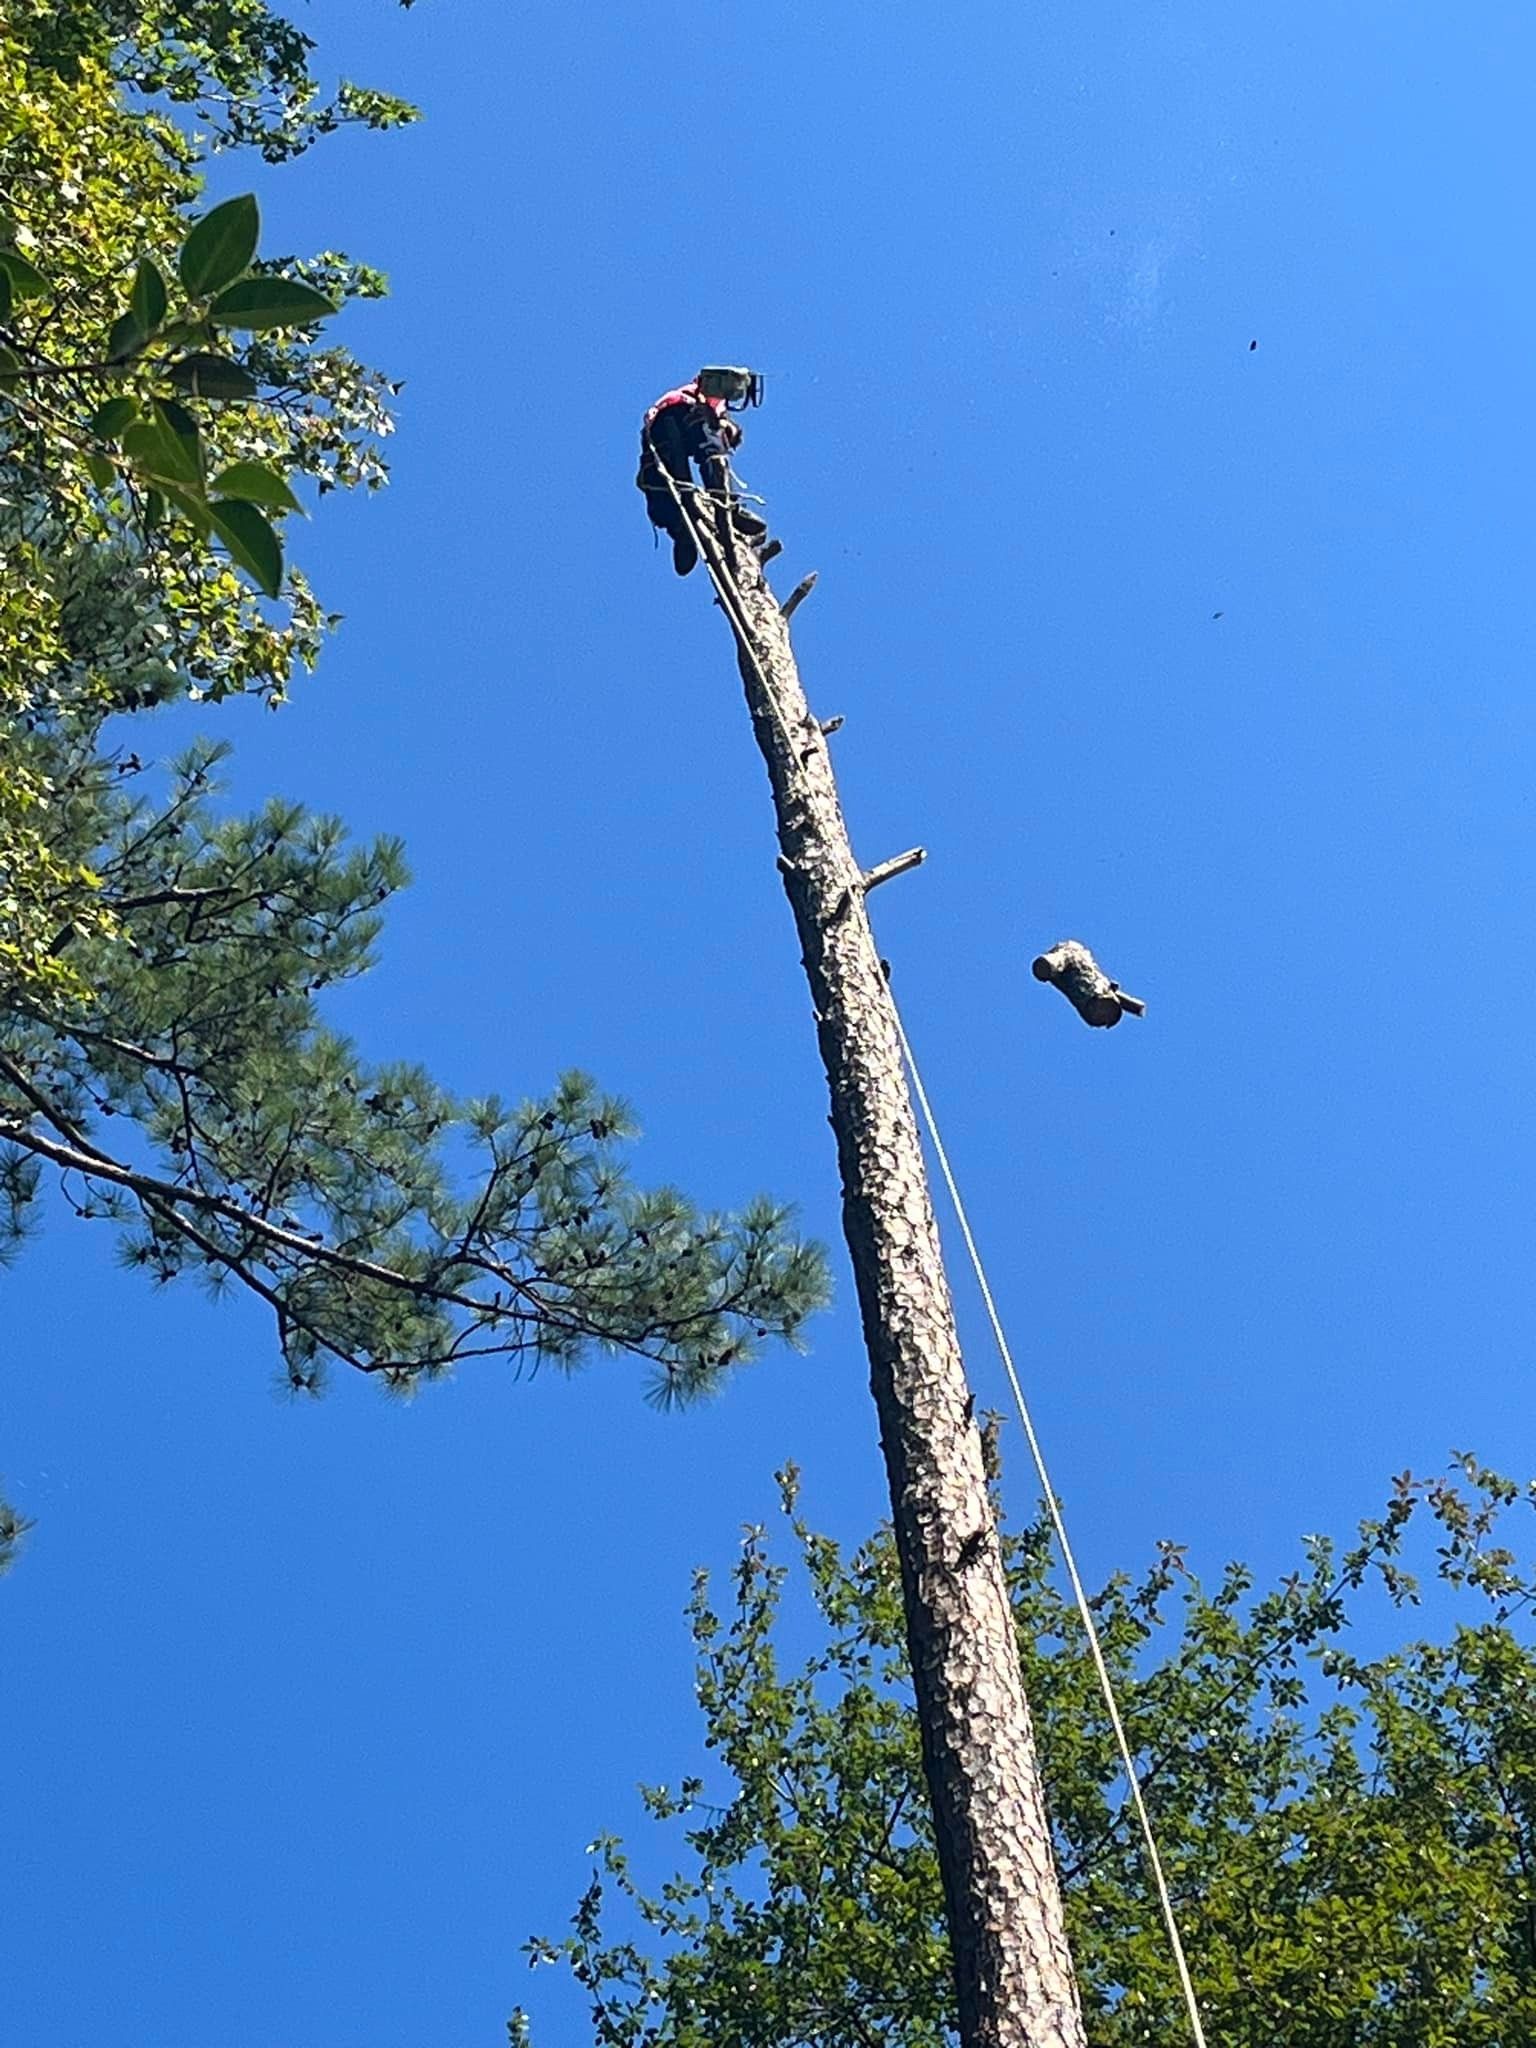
column 739, row 388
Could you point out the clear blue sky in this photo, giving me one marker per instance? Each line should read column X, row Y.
column 311, row 1712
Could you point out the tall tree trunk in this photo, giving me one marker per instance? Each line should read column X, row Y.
column 1012, row 1968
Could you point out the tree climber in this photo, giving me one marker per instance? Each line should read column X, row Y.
column 693, row 424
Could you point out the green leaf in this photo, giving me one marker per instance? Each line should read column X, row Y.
column 26, row 283
column 148, row 302
column 158, row 452
column 110, row 419
column 126, row 339
column 10, row 366
column 154, row 508
column 180, row 332
column 6, row 295
column 219, row 249
column 261, row 302
column 251, row 542
column 256, row 485
column 206, row 376
column 102, row 472
column 182, row 425
column 192, row 504
column 180, row 421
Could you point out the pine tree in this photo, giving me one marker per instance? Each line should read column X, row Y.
column 1012, row 1967
column 163, row 1054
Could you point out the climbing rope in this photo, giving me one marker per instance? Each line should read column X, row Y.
column 1058, row 1523
column 729, row 599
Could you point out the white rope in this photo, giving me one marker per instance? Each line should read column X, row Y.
column 1085, row 1611
column 726, row 591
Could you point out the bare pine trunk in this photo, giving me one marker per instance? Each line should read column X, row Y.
column 1012, row 1967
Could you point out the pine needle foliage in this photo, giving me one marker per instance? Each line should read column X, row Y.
column 13, row 1527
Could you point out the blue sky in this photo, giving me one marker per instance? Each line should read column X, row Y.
column 311, row 1711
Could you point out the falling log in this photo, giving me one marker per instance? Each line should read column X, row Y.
column 1097, row 1000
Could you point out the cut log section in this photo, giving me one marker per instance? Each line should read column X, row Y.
column 1070, row 967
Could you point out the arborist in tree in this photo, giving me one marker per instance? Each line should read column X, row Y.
column 694, row 424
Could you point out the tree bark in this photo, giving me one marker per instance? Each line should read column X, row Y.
column 1012, row 1968
column 1097, row 1000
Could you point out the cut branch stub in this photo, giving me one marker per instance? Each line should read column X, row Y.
column 1097, row 1000
column 799, row 594
column 888, row 870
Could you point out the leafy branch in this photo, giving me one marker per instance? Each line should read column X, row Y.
column 169, row 351
column 1351, row 1837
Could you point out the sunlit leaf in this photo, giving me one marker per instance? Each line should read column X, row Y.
column 257, row 485
column 191, row 504
column 251, row 542
column 179, row 332
column 26, row 282
column 262, row 302
column 219, row 249
column 148, row 302
column 157, row 451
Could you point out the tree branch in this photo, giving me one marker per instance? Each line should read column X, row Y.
column 888, row 870
column 168, row 1199
column 82, row 1157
